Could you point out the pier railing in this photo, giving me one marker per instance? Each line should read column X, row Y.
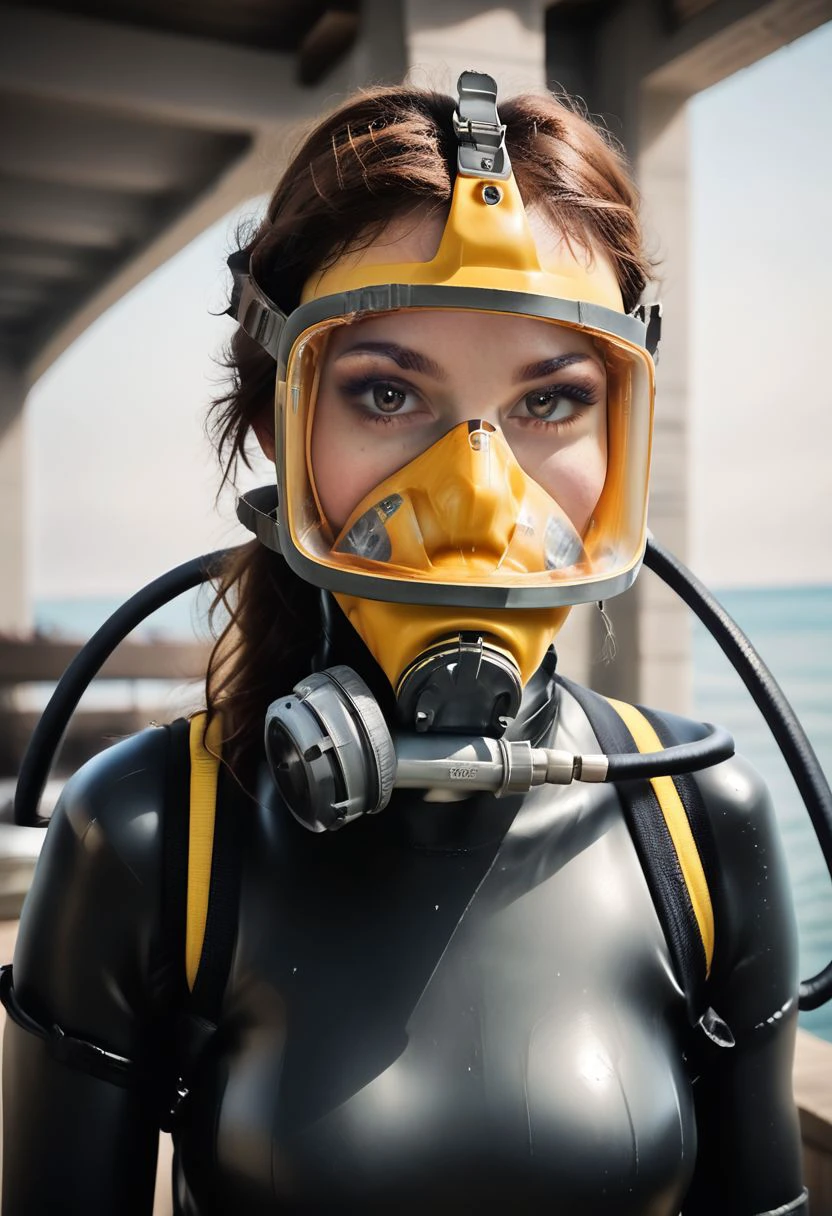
column 33, row 661
column 813, row 1093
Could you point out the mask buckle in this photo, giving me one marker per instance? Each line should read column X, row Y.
column 251, row 308
column 257, row 511
column 651, row 317
column 481, row 135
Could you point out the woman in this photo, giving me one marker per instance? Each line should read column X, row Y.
column 465, row 1003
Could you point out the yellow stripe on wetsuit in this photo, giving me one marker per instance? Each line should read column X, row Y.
column 204, row 773
column 678, row 826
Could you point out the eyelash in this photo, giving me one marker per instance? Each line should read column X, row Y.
column 353, row 389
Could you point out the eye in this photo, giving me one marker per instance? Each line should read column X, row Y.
column 388, row 398
column 560, row 403
column 548, row 405
column 377, row 398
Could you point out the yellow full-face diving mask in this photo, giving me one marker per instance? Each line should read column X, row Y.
column 470, row 529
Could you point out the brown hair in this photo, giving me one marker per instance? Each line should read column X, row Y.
column 381, row 154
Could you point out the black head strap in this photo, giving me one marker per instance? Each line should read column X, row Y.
column 259, row 316
column 651, row 315
column 257, row 511
column 237, row 263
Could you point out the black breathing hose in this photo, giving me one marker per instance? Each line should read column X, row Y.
column 47, row 735
column 714, row 747
column 779, row 715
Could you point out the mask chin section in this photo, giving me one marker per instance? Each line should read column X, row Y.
column 460, row 685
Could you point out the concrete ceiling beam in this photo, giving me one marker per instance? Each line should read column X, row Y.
column 22, row 291
column 253, row 174
column 725, row 37
column 82, row 146
column 42, row 260
column 728, row 37
column 192, row 81
column 679, row 57
column 89, row 218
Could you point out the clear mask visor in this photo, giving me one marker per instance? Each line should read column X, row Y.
column 463, row 449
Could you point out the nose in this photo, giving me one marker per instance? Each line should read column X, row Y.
column 474, row 505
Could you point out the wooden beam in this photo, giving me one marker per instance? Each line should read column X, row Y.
column 42, row 661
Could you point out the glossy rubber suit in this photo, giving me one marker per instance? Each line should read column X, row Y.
column 457, row 1008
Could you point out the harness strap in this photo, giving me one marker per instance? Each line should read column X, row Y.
column 205, row 761
column 670, row 831
column 670, row 803
column 175, row 835
column 204, row 811
column 218, row 809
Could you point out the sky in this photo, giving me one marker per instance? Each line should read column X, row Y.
column 121, row 477
column 761, row 400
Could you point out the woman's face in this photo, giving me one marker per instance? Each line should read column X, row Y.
column 391, row 386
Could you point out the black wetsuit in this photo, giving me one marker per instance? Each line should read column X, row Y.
column 458, row 1008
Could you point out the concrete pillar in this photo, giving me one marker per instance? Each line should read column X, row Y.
column 380, row 55
column 14, row 615
column 652, row 626
column 664, row 623
column 584, row 40
column 446, row 37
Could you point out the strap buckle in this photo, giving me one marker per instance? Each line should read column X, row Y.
column 651, row 317
column 481, row 135
column 255, row 313
column 257, row 511
column 172, row 1115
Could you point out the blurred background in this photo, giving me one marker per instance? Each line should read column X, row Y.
column 137, row 138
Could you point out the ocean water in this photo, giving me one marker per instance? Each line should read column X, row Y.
column 791, row 628
column 78, row 619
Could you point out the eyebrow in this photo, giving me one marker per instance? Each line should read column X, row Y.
column 546, row 367
column 408, row 360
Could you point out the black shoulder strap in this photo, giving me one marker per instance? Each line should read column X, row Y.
column 691, row 798
column 199, row 1001
column 672, row 837
column 221, row 922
